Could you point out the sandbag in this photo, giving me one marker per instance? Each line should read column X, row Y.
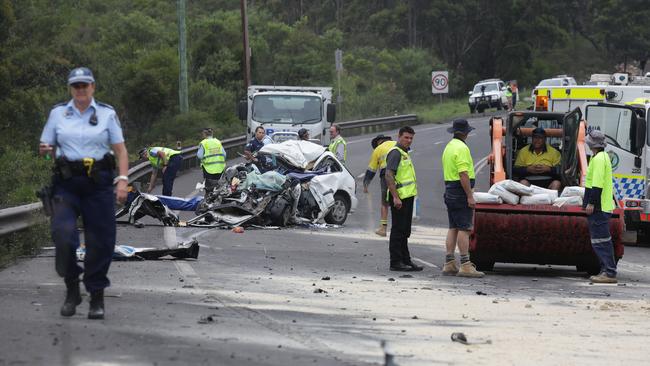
column 568, row 201
column 573, row 191
column 483, row 197
column 552, row 193
column 516, row 187
column 506, row 195
column 536, row 199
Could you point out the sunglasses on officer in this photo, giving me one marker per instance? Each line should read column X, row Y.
column 79, row 85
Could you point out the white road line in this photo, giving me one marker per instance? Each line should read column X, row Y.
column 361, row 175
column 438, row 143
column 425, row 263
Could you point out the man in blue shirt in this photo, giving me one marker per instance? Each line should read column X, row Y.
column 256, row 143
column 81, row 134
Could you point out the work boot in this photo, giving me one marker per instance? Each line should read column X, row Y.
column 96, row 310
column 468, row 269
column 381, row 231
column 72, row 298
column 602, row 278
column 450, row 268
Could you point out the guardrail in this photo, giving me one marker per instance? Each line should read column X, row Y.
column 21, row 217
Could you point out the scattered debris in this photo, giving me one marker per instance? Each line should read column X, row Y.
column 326, row 278
column 459, row 337
column 481, row 293
column 406, row 276
column 319, row 291
column 238, row 230
column 391, row 279
column 129, row 253
column 207, row 319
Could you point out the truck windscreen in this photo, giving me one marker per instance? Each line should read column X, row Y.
column 287, row 109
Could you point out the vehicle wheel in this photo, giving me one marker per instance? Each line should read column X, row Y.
column 591, row 269
column 339, row 211
column 484, row 265
column 282, row 219
column 499, row 106
column 471, row 110
column 480, row 109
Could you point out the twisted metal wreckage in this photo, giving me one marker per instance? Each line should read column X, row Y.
column 292, row 182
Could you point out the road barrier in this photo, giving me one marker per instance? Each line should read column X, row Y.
column 18, row 218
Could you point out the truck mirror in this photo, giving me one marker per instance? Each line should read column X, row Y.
column 242, row 110
column 469, row 92
column 639, row 139
column 331, row 113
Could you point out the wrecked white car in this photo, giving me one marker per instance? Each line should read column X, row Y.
column 290, row 182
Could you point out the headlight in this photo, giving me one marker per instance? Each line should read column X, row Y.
column 471, row 99
column 494, row 97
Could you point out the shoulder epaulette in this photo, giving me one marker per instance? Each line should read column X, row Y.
column 105, row 105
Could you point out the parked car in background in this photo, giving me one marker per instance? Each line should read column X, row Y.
column 490, row 93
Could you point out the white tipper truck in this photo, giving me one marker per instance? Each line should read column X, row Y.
column 284, row 110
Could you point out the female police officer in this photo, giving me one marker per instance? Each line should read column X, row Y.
column 81, row 134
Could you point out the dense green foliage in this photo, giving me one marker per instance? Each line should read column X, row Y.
column 390, row 47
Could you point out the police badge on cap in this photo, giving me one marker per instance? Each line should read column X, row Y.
column 81, row 75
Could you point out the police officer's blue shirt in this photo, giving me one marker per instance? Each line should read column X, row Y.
column 74, row 137
column 254, row 144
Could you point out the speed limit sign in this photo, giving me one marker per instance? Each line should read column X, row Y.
column 439, row 82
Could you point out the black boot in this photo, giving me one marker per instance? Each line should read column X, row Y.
column 72, row 298
column 96, row 310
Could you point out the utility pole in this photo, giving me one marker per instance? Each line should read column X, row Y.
column 247, row 54
column 182, row 54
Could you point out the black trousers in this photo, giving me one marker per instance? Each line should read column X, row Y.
column 400, row 231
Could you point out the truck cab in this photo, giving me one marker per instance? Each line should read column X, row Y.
column 283, row 110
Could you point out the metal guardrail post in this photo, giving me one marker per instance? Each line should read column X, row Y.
column 21, row 217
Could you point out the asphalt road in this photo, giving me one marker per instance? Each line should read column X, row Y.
column 318, row 296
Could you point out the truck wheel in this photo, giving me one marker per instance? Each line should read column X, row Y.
column 499, row 106
column 339, row 211
column 591, row 269
column 472, row 110
column 480, row 109
column 484, row 265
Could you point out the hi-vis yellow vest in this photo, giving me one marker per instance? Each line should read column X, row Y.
column 158, row 162
column 405, row 180
column 335, row 144
column 214, row 161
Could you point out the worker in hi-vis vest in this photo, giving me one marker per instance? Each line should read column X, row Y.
column 402, row 189
column 212, row 156
column 337, row 145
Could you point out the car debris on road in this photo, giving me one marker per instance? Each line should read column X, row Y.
column 293, row 182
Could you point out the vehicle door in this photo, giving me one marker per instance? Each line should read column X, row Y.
column 625, row 135
column 569, row 174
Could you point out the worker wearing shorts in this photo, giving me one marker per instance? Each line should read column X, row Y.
column 458, row 169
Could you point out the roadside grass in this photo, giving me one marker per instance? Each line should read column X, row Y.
column 23, row 243
column 436, row 112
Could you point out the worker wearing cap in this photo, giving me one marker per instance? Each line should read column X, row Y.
column 338, row 146
column 402, row 189
column 599, row 204
column 303, row 134
column 81, row 134
column 381, row 146
column 165, row 159
column 458, row 170
column 212, row 156
column 538, row 163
